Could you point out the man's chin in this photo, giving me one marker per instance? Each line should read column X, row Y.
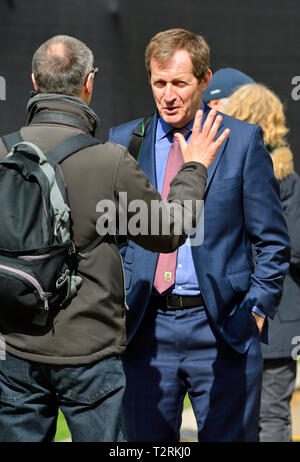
column 173, row 119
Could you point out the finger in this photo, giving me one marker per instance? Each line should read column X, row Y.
column 215, row 128
column 182, row 142
column 197, row 122
column 208, row 122
column 222, row 138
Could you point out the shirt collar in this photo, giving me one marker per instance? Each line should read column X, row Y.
column 163, row 128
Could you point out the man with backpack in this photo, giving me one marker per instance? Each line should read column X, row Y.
column 62, row 292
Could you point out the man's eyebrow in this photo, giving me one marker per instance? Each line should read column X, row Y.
column 174, row 79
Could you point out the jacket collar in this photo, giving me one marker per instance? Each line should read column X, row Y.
column 81, row 113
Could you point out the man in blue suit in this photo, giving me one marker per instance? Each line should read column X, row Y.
column 202, row 334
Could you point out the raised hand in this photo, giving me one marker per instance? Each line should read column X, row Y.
column 202, row 147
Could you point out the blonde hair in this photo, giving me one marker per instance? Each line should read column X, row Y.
column 256, row 104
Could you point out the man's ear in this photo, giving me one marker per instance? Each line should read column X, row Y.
column 206, row 80
column 87, row 89
column 88, row 86
column 34, row 82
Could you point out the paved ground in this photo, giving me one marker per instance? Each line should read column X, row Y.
column 188, row 430
column 295, row 410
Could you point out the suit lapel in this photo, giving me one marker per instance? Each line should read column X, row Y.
column 213, row 166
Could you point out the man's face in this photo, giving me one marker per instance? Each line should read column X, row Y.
column 177, row 92
column 217, row 104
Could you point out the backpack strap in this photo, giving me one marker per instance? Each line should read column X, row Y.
column 136, row 142
column 91, row 246
column 137, row 139
column 60, row 153
column 68, row 147
column 11, row 139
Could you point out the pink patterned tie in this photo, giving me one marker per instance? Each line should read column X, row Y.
column 166, row 263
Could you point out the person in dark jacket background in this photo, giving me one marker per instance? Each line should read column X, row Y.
column 255, row 103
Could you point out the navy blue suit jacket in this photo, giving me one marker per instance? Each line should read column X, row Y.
column 242, row 212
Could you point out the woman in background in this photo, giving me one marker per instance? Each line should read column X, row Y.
column 256, row 104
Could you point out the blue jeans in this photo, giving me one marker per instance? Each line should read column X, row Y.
column 89, row 396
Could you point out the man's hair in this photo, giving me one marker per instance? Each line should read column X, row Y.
column 256, row 104
column 164, row 44
column 61, row 65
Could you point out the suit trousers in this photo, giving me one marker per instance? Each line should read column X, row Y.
column 176, row 352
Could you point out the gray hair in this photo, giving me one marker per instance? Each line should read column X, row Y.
column 61, row 65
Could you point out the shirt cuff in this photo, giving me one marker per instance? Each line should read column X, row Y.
column 258, row 311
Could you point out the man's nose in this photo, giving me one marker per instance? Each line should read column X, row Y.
column 169, row 94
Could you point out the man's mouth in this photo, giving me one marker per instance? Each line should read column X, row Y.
column 170, row 110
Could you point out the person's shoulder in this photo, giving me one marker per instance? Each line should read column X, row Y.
column 114, row 148
column 124, row 130
column 121, row 134
column 231, row 122
column 128, row 125
column 110, row 149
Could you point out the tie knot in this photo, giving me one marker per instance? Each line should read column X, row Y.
column 184, row 131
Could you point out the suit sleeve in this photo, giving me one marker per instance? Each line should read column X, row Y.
column 148, row 220
column 266, row 227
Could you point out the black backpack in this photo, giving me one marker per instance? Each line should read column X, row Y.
column 38, row 258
